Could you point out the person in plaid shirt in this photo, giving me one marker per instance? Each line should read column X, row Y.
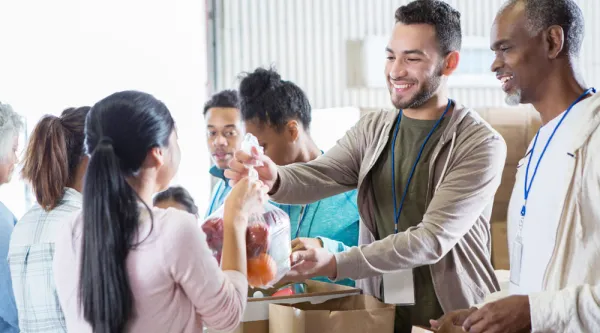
column 54, row 164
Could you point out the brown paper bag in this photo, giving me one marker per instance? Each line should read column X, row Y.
column 352, row 314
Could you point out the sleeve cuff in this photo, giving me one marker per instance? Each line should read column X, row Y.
column 331, row 245
column 347, row 265
column 282, row 188
column 546, row 311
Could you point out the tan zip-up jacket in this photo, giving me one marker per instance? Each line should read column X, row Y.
column 454, row 235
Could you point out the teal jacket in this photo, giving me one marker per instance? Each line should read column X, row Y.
column 333, row 220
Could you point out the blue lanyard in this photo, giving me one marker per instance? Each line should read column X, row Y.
column 412, row 171
column 529, row 183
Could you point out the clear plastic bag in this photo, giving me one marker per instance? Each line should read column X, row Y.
column 268, row 245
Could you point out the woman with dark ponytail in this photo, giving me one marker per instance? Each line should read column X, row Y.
column 124, row 267
column 54, row 165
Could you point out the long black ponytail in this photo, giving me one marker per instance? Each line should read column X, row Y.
column 120, row 130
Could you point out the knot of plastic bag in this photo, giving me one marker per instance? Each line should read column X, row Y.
column 249, row 142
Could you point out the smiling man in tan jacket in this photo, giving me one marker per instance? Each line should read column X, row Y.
column 444, row 163
column 554, row 212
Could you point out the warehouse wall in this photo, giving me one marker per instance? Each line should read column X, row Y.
column 308, row 41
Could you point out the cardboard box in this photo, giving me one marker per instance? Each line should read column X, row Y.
column 256, row 316
column 500, row 257
column 351, row 314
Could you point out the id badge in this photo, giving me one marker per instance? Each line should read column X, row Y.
column 515, row 261
column 399, row 288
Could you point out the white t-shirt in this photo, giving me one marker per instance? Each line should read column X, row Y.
column 546, row 198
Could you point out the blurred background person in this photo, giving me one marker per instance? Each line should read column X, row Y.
column 54, row 165
column 176, row 197
column 224, row 132
column 278, row 113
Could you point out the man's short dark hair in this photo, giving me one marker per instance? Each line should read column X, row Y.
column 223, row 99
column 542, row 14
column 444, row 18
column 265, row 97
column 180, row 196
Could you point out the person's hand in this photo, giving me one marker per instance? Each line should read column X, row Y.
column 311, row 263
column 448, row 327
column 267, row 172
column 508, row 315
column 303, row 243
column 245, row 196
column 451, row 322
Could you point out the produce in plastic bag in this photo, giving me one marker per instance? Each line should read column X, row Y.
column 268, row 245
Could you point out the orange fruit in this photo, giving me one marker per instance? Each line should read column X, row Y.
column 261, row 270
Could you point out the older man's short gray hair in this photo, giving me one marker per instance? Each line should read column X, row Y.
column 541, row 14
column 10, row 125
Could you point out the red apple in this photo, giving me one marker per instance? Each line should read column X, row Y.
column 213, row 228
column 257, row 239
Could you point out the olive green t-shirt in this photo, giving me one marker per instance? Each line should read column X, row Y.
column 411, row 135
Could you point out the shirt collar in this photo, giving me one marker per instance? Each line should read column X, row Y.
column 72, row 195
column 218, row 173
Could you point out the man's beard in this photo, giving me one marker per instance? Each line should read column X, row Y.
column 513, row 99
column 424, row 95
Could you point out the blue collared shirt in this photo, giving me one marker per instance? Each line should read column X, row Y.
column 9, row 322
column 220, row 190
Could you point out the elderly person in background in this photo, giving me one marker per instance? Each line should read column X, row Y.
column 10, row 126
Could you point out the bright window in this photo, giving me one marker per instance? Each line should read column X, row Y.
column 71, row 53
column 330, row 125
column 474, row 67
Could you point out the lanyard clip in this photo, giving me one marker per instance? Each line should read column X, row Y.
column 524, row 210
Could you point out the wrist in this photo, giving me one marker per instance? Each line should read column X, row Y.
column 234, row 208
column 332, row 268
column 237, row 222
column 275, row 186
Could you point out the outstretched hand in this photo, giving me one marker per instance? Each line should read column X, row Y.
column 452, row 321
column 508, row 315
column 311, row 263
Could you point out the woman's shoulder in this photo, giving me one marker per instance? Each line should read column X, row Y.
column 174, row 221
column 173, row 231
column 68, row 237
column 173, row 214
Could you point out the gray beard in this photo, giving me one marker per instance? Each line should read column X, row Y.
column 513, row 99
